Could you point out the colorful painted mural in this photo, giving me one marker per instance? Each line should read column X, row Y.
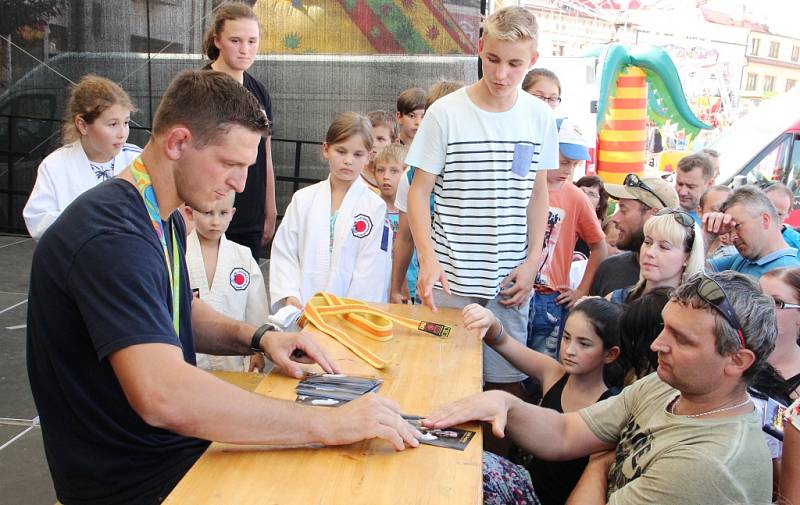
column 360, row 27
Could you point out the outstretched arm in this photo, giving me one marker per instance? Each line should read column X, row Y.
column 171, row 394
column 534, row 364
column 543, row 432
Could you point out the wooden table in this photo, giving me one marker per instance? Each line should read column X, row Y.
column 424, row 373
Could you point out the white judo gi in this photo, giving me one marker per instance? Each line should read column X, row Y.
column 237, row 291
column 63, row 175
column 359, row 266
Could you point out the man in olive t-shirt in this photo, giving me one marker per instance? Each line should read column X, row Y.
column 688, row 434
column 725, row 457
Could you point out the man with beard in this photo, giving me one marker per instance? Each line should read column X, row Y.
column 638, row 199
column 752, row 221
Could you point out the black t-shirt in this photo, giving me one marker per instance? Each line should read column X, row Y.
column 250, row 203
column 553, row 481
column 614, row 272
column 99, row 283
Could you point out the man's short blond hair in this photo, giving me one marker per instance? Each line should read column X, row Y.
column 512, row 24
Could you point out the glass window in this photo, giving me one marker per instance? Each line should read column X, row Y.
column 752, row 82
column 754, row 45
column 769, row 83
column 774, row 49
column 790, row 84
column 792, row 178
column 770, row 163
column 795, row 53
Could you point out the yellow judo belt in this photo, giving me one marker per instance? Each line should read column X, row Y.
column 361, row 318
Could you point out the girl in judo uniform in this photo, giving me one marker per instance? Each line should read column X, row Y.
column 94, row 150
column 334, row 236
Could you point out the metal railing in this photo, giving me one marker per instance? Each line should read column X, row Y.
column 22, row 148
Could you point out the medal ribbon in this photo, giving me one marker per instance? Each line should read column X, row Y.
column 144, row 185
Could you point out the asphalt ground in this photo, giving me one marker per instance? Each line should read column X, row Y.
column 24, row 475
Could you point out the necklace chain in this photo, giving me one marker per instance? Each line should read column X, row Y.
column 715, row 411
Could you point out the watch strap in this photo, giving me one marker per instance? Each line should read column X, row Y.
column 255, row 342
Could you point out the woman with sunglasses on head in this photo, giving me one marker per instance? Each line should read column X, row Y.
column 672, row 252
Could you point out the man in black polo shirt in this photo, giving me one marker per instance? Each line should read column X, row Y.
column 113, row 330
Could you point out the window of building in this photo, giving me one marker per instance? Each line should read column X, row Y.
column 790, row 84
column 558, row 48
column 774, row 49
column 795, row 53
column 754, row 44
column 769, row 83
column 752, row 81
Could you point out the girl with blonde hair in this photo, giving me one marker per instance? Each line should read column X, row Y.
column 672, row 252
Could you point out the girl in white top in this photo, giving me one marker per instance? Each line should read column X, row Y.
column 94, row 150
column 334, row 236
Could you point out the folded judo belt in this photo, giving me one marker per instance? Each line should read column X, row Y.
column 361, row 318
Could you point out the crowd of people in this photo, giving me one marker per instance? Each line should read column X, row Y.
column 628, row 356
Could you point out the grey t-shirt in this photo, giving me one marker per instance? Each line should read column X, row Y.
column 614, row 272
column 663, row 458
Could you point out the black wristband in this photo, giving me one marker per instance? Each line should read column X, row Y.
column 255, row 342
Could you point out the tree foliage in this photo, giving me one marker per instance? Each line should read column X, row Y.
column 18, row 13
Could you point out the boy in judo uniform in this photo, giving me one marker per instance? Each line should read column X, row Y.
column 224, row 275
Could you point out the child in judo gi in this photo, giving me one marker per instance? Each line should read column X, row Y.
column 224, row 275
column 334, row 236
column 95, row 130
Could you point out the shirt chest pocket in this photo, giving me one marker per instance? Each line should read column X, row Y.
column 524, row 153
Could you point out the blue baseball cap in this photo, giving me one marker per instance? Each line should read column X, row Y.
column 571, row 141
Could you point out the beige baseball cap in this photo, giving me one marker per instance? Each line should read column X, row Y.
column 654, row 192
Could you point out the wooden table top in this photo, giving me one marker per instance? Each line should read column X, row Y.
column 424, row 373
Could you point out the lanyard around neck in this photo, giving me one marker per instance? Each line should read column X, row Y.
column 144, row 185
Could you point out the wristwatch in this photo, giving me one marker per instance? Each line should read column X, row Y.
column 255, row 342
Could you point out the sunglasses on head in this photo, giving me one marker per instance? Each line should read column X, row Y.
column 681, row 217
column 633, row 181
column 710, row 291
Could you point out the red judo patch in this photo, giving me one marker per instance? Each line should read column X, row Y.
column 362, row 226
column 239, row 279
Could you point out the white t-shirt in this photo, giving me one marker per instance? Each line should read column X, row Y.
column 401, row 197
column 480, row 229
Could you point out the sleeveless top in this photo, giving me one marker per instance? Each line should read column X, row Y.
column 553, row 481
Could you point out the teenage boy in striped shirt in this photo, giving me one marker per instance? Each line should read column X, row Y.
column 478, row 150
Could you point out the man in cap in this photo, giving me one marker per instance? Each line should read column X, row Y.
column 638, row 199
